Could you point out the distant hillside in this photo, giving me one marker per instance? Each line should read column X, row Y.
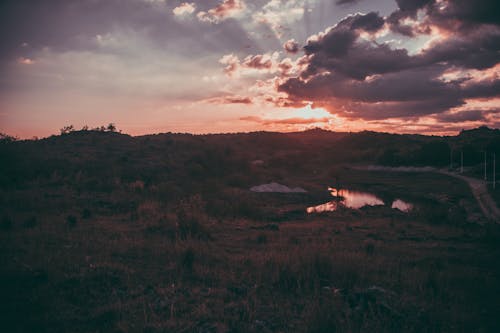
column 198, row 158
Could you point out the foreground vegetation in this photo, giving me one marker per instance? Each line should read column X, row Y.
column 102, row 232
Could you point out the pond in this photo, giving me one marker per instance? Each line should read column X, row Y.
column 356, row 200
column 402, row 205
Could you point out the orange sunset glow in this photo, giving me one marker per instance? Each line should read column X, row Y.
column 239, row 66
column 249, row 166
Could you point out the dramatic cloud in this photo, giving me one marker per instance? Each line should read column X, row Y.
column 337, row 48
column 268, row 63
column 229, row 100
column 452, row 15
column 357, row 77
column 291, row 46
column 470, row 12
column 260, row 61
column 466, row 116
column 477, row 49
column 184, row 9
column 286, row 121
column 231, row 62
column 75, row 26
column 277, row 14
column 227, row 8
column 382, row 64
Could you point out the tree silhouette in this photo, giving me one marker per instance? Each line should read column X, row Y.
column 7, row 138
column 111, row 127
column 67, row 129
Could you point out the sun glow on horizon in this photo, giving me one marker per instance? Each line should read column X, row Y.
column 308, row 112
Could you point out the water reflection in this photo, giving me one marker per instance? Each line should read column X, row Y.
column 327, row 207
column 402, row 206
column 356, row 200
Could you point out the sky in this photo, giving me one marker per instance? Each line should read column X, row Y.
column 216, row 66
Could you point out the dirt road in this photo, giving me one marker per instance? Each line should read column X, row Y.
column 478, row 187
column 480, row 192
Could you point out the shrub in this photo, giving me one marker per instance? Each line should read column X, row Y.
column 71, row 221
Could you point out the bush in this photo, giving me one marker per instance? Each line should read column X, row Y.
column 71, row 221
column 7, row 138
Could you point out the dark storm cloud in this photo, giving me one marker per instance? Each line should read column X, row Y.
column 482, row 89
column 401, row 94
column 358, row 60
column 385, row 110
column 412, row 6
column 343, row 35
column 340, row 50
column 468, row 115
column 371, row 22
column 478, row 49
column 360, row 78
column 454, row 15
column 469, row 12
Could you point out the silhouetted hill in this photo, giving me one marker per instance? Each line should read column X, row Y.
column 197, row 157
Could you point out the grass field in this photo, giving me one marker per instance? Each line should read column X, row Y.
column 137, row 250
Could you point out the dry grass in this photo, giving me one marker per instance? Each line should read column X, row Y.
column 137, row 244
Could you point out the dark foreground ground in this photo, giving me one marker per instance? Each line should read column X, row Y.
column 106, row 233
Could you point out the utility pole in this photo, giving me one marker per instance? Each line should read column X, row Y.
column 485, row 178
column 451, row 159
column 462, row 161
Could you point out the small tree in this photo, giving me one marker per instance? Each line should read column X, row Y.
column 67, row 129
column 7, row 138
column 111, row 127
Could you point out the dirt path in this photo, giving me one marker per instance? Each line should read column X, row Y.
column 478, row 187
column 480, row 192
